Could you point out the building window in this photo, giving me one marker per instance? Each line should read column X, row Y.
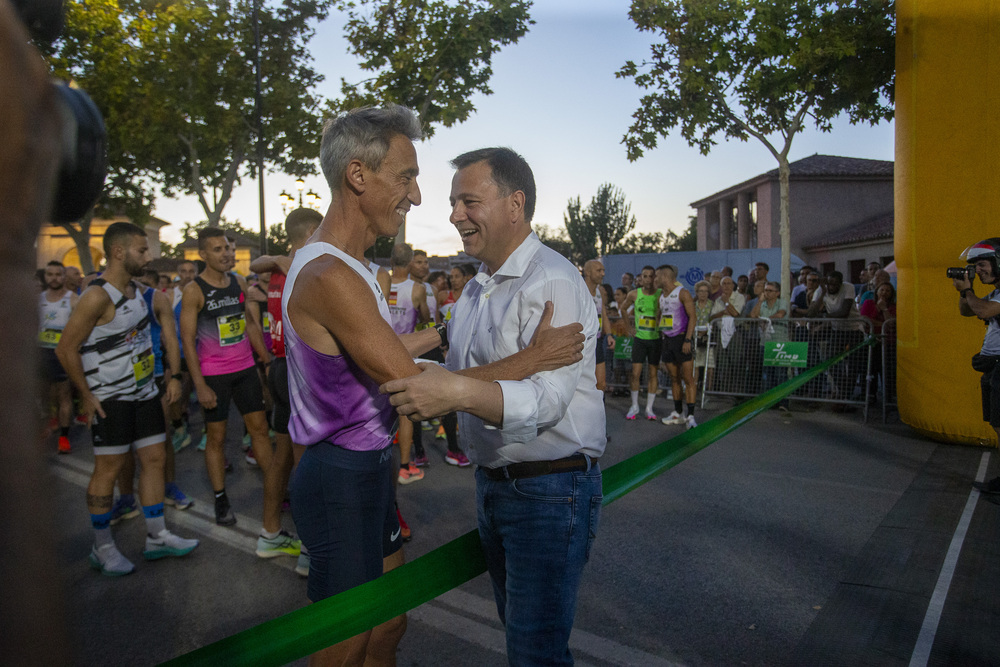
column 753, row 223
column 886, row 260
column 854, row 268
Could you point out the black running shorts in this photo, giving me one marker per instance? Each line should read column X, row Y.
column 128, row 424
column 242, row 388
column 343, row 503
column 646, row 350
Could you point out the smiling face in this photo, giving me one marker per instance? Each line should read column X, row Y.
column 491, row 226
column 392, row 189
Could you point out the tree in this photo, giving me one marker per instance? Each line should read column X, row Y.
column 688, row 241
column 557, row 239
column 641, row 242
column 430, row 55
column 611, row 217
column 762, row 69
column 581, row 232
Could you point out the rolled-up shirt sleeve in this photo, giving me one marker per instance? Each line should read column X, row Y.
column 539, row 402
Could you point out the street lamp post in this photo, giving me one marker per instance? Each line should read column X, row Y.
column 308, row 200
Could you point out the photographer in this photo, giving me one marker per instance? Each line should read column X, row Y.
column 983, row 260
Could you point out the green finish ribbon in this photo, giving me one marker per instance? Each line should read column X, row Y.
column 322, row 624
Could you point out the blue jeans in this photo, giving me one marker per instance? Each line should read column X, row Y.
column 537, row 533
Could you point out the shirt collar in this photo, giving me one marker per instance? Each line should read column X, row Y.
column 517, row 262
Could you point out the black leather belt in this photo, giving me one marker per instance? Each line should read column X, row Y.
column 573, row 463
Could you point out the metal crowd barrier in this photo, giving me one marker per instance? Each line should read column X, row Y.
column 746, row 356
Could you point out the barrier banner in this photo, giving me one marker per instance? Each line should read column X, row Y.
column 786, row 354
column 317, row 626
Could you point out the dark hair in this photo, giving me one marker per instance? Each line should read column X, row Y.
column 299, row 221
column 836, row 274
column 422, row 253
column 468, row 270
column 210, row 233
column 151, row 273
column 808, row 268
column 119, row 233
column 609, row 291
column 56, row 263
column 892, row 296
column 629, row 274
column 434, row 275
column 647, row 267
column 510, row 173
column 764, row 264
column 668, row 267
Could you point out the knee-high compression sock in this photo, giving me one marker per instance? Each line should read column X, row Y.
column 154, row 519
column 102, row 529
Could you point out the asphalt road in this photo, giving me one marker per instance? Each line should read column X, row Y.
column 727, row 559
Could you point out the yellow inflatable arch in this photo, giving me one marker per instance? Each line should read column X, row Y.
column 947, row 198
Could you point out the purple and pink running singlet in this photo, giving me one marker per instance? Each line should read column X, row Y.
column 332, row 399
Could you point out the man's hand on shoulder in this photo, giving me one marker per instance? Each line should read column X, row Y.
column 555, row 347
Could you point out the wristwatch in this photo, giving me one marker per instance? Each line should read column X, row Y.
column 442, row 330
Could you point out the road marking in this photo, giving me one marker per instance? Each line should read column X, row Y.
column 580, row 641
column 242, row 537
column 435, row 613
column 925, row 642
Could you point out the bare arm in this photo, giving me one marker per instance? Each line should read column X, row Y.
column 266, row 263
column 92, row 305
column 970, row 305
column 254, row 330
column 192, row 301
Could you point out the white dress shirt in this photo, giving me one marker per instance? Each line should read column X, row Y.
column 550, row 415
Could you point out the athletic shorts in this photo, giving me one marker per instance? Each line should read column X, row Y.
column 128, row 424
column 343, row 503
column 242, row 388
column 52, row 370
column 646, row 350
column 277, row 383
column 672, row 350
column 990, row 383
column 600, row 350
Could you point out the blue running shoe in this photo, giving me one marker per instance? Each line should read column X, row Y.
column 126, row 507
column 175, row 497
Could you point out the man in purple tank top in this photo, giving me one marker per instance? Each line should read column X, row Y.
column 342, row 491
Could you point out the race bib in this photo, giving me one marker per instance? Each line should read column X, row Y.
column 49, row 337
column 600, row 321
column 142, row 367
column 666, row 321
column 232, row 329
column 447, row 316
column 266, row 324
column 425, row 325
column 645, row 323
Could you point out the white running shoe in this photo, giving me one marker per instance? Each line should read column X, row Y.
column 110, row 561
column 672, row 419
column 167, row 544
column 691, row 423
column 632, row 412
column 651, row 417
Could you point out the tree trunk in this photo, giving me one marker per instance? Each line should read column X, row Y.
column 784, row 231
column 81, row 237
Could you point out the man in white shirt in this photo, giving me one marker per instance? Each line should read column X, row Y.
column 535, row 440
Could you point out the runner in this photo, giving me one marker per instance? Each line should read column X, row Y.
column 408, row 308
column 460, row 276
column 644, row 300
column 300, row 224
column 677, row 324
column 55, row 304
column 178, row 411
column 219, row 343
column 593, row 275
column 106, row 349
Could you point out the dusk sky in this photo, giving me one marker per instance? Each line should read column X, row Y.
column 557, row 102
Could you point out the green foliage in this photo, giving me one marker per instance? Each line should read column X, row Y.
column 745, row 68
column 641, row 242
column 581, row 232
column 429, row 55
column 277, row 239
column 601, row 227
column 557, row 239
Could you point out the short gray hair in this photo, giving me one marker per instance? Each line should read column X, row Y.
column 363, row 134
